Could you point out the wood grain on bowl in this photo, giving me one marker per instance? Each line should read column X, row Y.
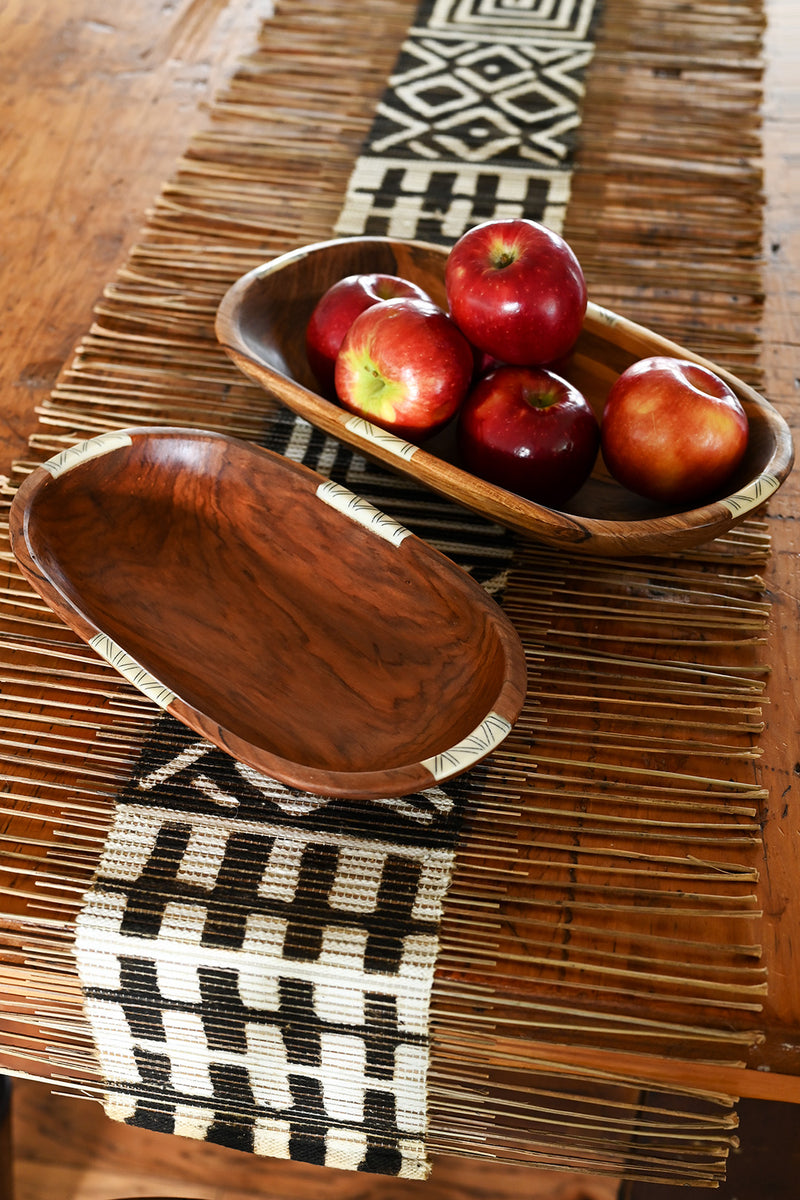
column 274, row 612
column 261, row 324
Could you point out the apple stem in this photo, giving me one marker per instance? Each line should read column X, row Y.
column 541, row 399
column 503, row 258
column 376, row 382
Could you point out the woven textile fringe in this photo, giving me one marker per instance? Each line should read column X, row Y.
column 609, row 867
column 670, row 156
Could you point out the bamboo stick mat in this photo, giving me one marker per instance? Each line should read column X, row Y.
column 603, row 885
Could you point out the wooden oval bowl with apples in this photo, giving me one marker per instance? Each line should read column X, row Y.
column 272, row 611
column 261, row 324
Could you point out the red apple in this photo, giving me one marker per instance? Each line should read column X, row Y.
column 405, row 366
column 336, row 310
column 530, row 431
column 484, row 363
column 517, row 291
column 672, row 430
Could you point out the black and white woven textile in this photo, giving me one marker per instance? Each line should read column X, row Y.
column 478, row 121
column 257, row 963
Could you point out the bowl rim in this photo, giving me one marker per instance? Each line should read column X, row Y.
column 359, row 518
column 598, row 535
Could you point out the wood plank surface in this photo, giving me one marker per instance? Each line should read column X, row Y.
column 779, row 887
column 94, row 112
column 69, row 1149
column 93, row 115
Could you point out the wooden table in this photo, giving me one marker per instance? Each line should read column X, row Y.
column 94, row 116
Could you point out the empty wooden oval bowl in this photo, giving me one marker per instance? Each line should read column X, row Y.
column 261, row 324
column 271, row 610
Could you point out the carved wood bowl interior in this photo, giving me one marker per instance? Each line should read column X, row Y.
column 272, row 611
column 261, row 324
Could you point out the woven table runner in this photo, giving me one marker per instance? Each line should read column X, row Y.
column 363, row 986
column 275, row 994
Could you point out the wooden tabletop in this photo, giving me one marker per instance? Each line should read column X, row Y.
column 94, row 116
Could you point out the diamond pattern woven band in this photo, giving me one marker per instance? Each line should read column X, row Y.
column 478, row 121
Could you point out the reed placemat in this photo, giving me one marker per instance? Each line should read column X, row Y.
column 595, row 880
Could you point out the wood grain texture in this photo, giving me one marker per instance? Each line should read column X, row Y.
column 68, row 281
column 258, row 323
column 93, row 113
column 277, row 615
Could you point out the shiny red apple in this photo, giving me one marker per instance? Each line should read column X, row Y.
column 672, row 430
column 517, row 290
column 530, row 431
column 336, row 310
column 404, row 365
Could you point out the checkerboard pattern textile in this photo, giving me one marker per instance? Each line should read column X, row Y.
column 478, row 121
column 257, row 963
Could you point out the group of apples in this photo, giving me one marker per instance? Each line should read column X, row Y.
column 670, row 429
